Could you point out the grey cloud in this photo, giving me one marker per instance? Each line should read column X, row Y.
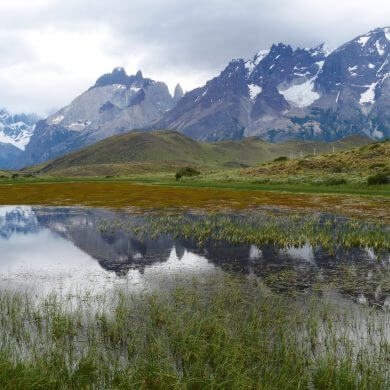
column 196, row 37
column 207, row 33
column 13, row 50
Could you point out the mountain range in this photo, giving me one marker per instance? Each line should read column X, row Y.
column 280, row 94
column 15, row 134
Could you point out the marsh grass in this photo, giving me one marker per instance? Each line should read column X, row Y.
column 220, row 332
column 283, row 230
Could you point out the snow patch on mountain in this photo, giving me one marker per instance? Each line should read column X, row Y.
column 16, row 130
column 368, row 97
column 20, row 141
column 352, row 70
column 301, row 95
column 251, row 64
column 254, row 90
column 79, row 125
column 380, row 48
column 363, row 40
column 338, row 96
column 260, row 55
column 326, row 50
column 377, row 134
column 387, row 33
column 56, row 120
column 320, row 65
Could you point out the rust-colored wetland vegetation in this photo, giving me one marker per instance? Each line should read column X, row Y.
column 144, row 196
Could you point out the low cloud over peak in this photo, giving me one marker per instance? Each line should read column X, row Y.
column 53, row 50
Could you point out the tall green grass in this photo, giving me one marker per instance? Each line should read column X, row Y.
column 258, row 228
column 220, row 332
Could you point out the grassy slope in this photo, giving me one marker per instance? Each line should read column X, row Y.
column 365, row 160
column 165, row 151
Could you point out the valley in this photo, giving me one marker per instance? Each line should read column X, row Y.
column 235, row 235
column 138, row 170
column 170, row 147
column 282, row 94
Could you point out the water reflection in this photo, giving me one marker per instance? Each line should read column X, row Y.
column 65, row 249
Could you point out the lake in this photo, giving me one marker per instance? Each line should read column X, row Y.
column 84, row 250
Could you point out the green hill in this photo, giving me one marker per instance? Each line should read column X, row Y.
column 363, row 161
column 166, row 151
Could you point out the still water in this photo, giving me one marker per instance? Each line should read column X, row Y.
column 65, row 250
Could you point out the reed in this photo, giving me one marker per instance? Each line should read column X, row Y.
column 283, row 230
column 218, row 332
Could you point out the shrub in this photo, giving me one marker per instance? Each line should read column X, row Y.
column 379, row 178
column 335, row 181
column 187, row 171
column 15, row 175
column 378, row 165
column 261, row 181
column 281, row 158
column 337, row 169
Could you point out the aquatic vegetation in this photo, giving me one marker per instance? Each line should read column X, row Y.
column 336, row 237
column 216, row 332
column 280, row 229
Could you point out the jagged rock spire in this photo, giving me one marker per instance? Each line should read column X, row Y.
column 178, row 92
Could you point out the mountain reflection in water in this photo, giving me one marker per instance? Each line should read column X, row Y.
column 64, row 248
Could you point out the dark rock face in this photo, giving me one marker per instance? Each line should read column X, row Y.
column 9, row 156
column 178, row 94
column 47, row 143
column 118, row 76
column 294, row 94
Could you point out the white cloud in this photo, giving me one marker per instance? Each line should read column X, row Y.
column 52, row 50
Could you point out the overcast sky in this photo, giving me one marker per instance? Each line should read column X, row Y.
column 53, row 50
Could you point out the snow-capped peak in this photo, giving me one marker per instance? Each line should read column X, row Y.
column 376, row 35
column 260, row 55
column 251, row 64
column 322, row 49
column 16, row 130
column 363, row 40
